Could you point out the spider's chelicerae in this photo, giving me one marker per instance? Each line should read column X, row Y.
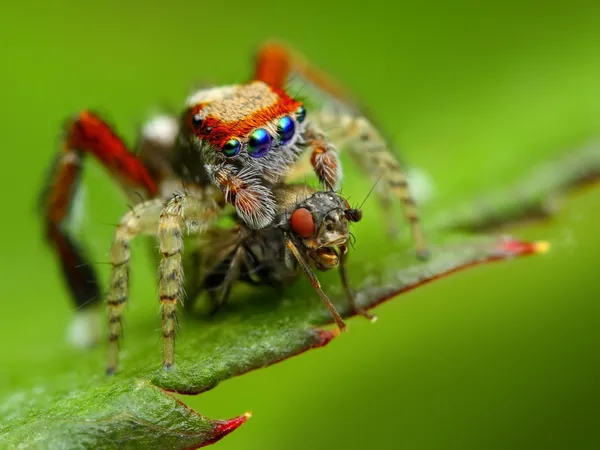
column 231, row 145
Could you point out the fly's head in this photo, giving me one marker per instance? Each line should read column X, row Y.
column 320, row 227
column 247, row 125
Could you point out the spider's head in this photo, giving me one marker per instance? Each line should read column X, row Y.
column 320, row 224
column 252, row 119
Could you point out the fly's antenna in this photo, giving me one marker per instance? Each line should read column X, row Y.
column 370, row 192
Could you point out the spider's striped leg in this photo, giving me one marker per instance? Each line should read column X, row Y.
column 86, row 134
column 373, row 155
column 142, row 219
column 181, row 212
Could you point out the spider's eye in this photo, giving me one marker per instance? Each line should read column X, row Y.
column 301, row 114
column 197, row 121
column 259, row 143
column 231, row 147
column 302, row 223
column 286, row 128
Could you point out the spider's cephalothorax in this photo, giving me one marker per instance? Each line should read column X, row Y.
column 247, row 137
column 233, row 145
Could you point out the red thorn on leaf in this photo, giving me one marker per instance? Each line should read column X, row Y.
column 504, row 249
column 517, row 247
column 224, row 427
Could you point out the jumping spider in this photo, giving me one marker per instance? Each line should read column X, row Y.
column 232, row 145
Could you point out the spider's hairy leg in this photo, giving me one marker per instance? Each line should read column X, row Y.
column 254, row 203
column 142, row 219
column 85, row 134
column 373, row 155
column 181, row 212
column 277, row 64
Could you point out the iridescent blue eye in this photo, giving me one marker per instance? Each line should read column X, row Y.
column 301, row 114
column 286, row 128
column 259, row 143
column 231, row 147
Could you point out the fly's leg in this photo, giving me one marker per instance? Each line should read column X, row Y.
column 219, row 298
column 168, row 223
column 354, row 308
column 277, row 65
column 85, row 134
column 314, row 281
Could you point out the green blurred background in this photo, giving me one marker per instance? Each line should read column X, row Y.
column 502, row 357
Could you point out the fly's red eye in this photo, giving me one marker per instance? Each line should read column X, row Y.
column 302, row 223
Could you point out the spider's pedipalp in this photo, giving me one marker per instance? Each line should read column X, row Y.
column 324, row 158
column 253, row 202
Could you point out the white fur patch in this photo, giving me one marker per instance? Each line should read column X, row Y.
column 84, row 329
column 77, row 212
column 162, row 129
column 421, row 185
column 210, row 95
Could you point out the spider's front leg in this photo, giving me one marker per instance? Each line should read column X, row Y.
column 276, row 65
column 168, row 222
column 373, row 155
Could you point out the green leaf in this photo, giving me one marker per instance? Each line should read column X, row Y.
column 134, row 408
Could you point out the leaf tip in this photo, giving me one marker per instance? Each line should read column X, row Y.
column 223, row 428
column 517, row 247
column 541, row 247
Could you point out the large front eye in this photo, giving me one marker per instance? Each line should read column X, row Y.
column 231, row 148
column 259, row 143
column 302, row 223
column 286, row 128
